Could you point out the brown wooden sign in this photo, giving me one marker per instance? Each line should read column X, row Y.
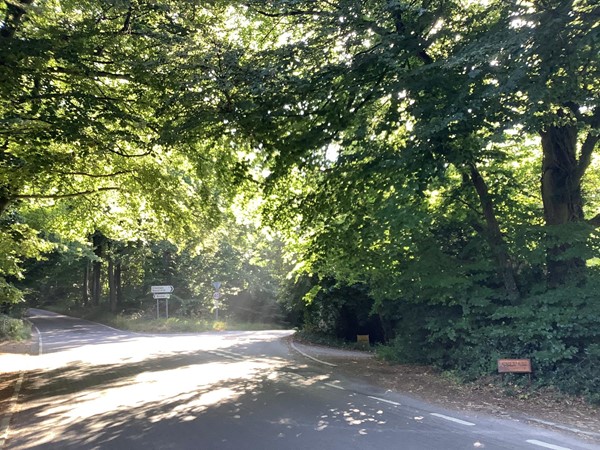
column 514, row 366
column 364, row 338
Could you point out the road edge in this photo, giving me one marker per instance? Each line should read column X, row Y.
column 311, row 357
column 5, row 423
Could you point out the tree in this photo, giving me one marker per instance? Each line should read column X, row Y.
column 86, row 140
column 351, row 71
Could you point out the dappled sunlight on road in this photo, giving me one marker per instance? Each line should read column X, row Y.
column 180, row 384
column 133, row 348
column 92, row 394
column 95, row 387
column 353, row 415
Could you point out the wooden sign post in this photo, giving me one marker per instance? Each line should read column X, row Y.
column 514, row 366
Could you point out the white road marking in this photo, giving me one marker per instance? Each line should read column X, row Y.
column 226, row 354
column 546, row 445
column 335, row 386
column 563, row 427
column 453, row 419
column 384, row 400
column 312, row 357
column 5, row 424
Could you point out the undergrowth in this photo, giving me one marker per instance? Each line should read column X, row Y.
column 13, row 329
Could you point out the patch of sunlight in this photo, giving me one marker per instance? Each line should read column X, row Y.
column 352, row 416
column 180, row 385
column 143, row 378
column 593, row 262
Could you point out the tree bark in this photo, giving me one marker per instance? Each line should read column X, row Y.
column 4, row 202
column 562, row 198
column 85, row 288
column 112, row 290
column 118, row 282
column 13, row 16
column 493, row 234
column 98, row 243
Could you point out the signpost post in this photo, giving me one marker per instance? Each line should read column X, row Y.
column 216, row 297
column 162, row 292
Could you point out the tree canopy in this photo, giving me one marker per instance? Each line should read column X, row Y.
column 432, row 162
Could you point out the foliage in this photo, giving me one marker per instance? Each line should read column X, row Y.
column 142, row 323
column 326, row 339
column 241, row 261
column 13, row 329
column 406, row 160
column 394, row 150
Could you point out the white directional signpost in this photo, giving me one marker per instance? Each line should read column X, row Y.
column 162, row 289
column 162, row 292
column 216, row 297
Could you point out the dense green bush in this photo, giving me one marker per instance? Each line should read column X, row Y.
column 559, row 330
column 13, row 329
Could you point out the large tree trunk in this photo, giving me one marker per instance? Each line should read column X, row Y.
column 493, row 234
column 85, row 288
column 118, row 282
column 4, row 202
column 98, row 243
column 112, row 290
column 96, row 282
column 562, row 198
column 114, row 274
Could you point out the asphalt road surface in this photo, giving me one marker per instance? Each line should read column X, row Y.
column 93, row 387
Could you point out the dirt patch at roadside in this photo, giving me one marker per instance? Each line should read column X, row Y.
column 26, row 347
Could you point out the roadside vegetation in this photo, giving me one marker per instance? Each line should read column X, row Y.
column 146, row 323
column 425, row 173
column 13, row 329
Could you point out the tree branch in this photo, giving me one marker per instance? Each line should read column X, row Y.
column 588, row 146
column 59, row 196
column 93, row 175
column 13, row 15
column 421, row 43
column 87, row 72
column 296, row 12
column 127, row 155
column 594, row 221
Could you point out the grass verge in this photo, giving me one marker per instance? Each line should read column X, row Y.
column 140, row 323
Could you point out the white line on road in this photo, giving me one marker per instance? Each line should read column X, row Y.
column 453, row 419
column 384, row 400
column 563, row 427
column 5, row 424
column 546, row 445
column 225, row 354
column 312, row 357
column 335, row 386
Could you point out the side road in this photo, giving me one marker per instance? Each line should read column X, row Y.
column 545, row 408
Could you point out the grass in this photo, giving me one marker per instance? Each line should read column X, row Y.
column 141, row 323
column 183, row 325
column 180, row 325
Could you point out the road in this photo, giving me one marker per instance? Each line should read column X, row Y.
column 94, row 387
